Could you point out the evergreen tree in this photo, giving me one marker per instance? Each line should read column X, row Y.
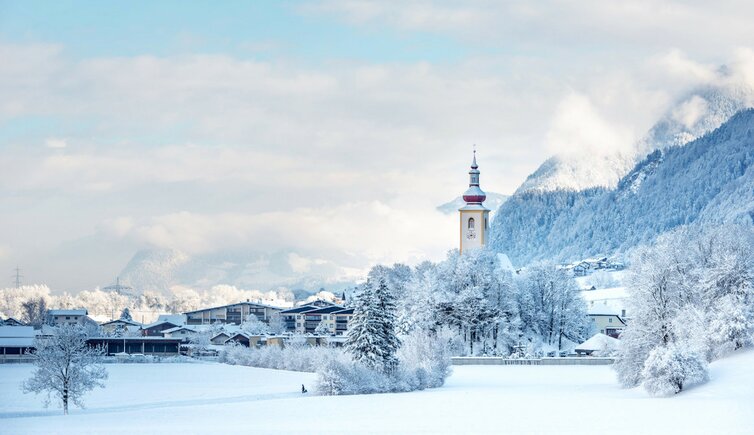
column 371, row 339
column 126, row 314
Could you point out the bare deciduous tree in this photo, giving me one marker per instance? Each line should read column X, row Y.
column 66, row 367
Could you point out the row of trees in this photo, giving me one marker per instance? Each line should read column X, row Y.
column 491, row 310
column 692, row 299
column 407, row 322
column 29, row 303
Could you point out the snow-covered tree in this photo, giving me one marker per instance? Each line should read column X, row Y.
column 277, row 323
column 550, row 306
column 371, row 339
column 126, row 314
column 322, row 329
column 202, row 340
column 66, row 367
column 669, row 369
column 34, row 312
column 254, row 326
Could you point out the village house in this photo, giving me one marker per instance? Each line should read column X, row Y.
column 606, row 320
column 120, row 327
column 69, row 317
column 156, row 329
column 182, row 332
column 220, row 338
column 10, row 321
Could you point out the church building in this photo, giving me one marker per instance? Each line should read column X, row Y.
column 474, row 216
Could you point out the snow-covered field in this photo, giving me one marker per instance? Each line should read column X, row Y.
column 215, row 398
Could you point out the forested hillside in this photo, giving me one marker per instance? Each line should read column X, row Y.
column 707, row 179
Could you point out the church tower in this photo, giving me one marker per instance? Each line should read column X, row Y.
column 474, row 216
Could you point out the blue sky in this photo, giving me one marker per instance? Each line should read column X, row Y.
column 242, row 29
column 224, row 128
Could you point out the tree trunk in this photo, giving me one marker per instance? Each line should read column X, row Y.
column 65, row 397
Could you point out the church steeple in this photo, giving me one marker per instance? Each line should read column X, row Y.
column 474, row 215
column 474, row 195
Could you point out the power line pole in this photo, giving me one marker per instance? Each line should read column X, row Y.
column 18, row 277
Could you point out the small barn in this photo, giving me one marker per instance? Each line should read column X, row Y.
column 599, row 345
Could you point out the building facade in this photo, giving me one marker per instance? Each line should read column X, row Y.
column 233, row 313
column 78, row 317
column 325, row 319
column 474, row 216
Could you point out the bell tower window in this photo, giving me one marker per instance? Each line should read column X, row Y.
column 471, row 223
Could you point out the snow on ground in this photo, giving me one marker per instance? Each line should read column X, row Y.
column 214, row 398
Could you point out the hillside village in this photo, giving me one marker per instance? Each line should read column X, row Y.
column 369, row 216
column 205, row 332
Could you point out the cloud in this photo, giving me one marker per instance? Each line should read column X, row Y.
column 579, row 129
column 56, row 143
column 571, row 26
column 352, row 234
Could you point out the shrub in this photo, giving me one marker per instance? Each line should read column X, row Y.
column 668, row 370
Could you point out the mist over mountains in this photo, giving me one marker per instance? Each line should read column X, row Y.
column 694, row 165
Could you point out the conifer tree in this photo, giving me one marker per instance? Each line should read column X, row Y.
column 371, row 339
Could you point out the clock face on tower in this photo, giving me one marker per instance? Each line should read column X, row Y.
column 471, row 235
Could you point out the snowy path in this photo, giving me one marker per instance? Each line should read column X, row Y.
column 212, row 398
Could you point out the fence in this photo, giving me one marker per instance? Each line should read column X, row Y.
column 499, row 361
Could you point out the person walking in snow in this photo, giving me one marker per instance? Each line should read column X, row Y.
column 303, row 389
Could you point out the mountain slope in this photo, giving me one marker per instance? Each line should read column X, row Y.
column 493, row 202
column 704, row 179
column 160, row 269
column 697, row 113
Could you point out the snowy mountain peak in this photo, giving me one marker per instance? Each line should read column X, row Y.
column 696, row 113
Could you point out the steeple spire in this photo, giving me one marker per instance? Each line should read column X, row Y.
column 474, row 194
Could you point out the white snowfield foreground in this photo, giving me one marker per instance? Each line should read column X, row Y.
column 215, row 398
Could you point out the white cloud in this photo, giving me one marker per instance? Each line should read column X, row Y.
column 691, row 111
column 627, row 25
column 56, row 143
column 352, row 234
column 579, row 129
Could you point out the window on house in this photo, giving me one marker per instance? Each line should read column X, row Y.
column 471, row 223
column 609, row 320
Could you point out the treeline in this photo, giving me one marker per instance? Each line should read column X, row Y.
column 27, row 302
column 490, row 310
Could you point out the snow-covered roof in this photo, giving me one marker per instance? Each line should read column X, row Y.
column 256, row 304
column 17, row 331
column 605, row 293
column 126, row 321
column 158, row 323
column 176, row 319
column 178, row 328
column 16, row 336
column 599, row 342
column 80, row 312
column 602, row 308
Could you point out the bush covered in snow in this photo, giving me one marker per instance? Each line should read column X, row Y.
column 294, row 356
column 669, row 369
column 423, row 362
